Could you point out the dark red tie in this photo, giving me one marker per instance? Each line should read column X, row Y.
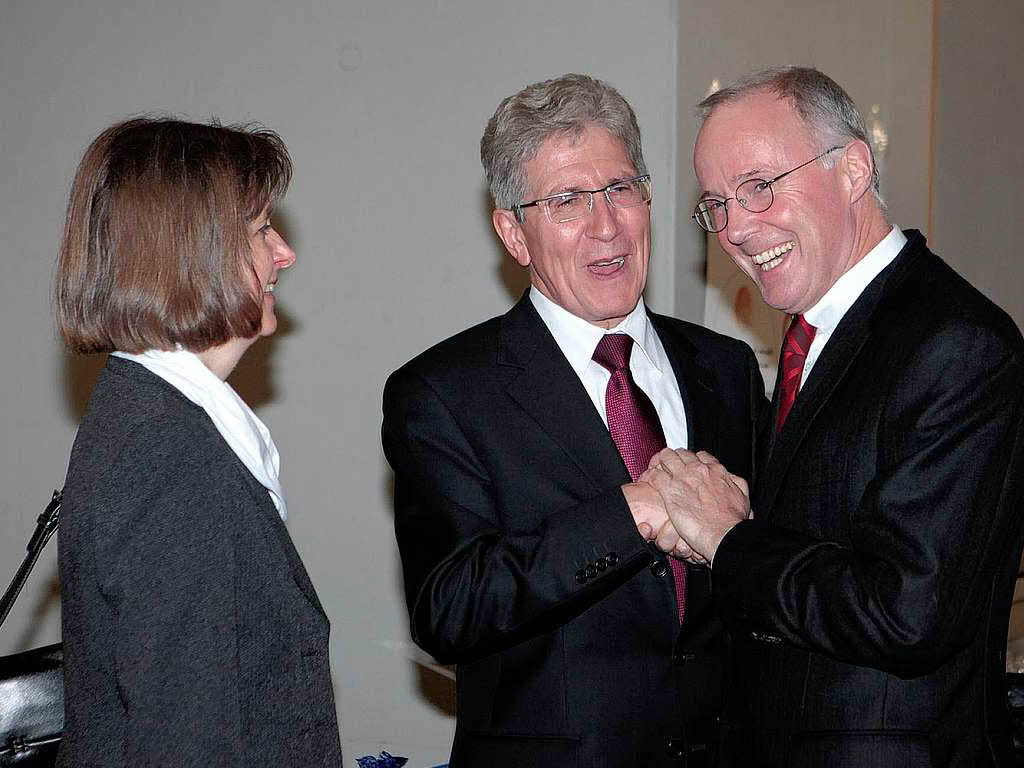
column 794, row 352
column 634, row 425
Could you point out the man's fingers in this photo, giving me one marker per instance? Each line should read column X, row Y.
column 667, row 537
column 685, row 457
column 740, row 483
column 706, row 458
column 659, row 457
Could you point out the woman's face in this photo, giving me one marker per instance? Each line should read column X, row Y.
column 270, row 254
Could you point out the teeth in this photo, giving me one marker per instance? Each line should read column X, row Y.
column 762, row 259
column 618, row 260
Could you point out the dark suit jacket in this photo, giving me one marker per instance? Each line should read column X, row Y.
column 875, row 580
column 522, row 562
column 192, row 634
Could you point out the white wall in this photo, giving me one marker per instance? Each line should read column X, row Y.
column 382, row 105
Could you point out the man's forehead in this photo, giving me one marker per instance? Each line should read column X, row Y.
column 569, row 160
column 750, row 136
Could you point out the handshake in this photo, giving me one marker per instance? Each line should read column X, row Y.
column 686, row 502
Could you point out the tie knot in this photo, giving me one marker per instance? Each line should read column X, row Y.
column 799, row 336
column 613, row 351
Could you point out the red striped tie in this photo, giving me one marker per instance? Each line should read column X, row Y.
column 634, row 425
column 794, row 352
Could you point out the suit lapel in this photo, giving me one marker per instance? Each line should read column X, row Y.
column 843, row 347
column 701, row 404
column 547, row 388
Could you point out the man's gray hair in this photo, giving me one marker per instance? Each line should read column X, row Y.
column 564, row 106
column 827, row 110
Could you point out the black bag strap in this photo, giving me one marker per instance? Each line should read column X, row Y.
column 45, row 527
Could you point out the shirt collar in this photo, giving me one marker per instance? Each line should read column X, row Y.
column 830, row 309
column 578, row 338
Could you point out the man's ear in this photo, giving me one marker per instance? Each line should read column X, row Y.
column 511, row 233
column 857, row 168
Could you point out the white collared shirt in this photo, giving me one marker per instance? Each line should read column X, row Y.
column 833, row 306
column 242, row 430
column 650, row 367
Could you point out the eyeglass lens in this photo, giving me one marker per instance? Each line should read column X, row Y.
column 755, row 195
column 622, row 194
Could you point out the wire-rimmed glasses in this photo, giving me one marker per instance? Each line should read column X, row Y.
column 754, row 195
column 569, row 206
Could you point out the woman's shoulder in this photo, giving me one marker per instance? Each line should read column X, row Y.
column 140, row 436
column 131, row 404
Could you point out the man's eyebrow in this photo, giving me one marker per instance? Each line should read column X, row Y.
column 568, row 189
column 754, row 173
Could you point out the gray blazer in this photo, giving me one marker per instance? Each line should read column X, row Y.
column 192, row 634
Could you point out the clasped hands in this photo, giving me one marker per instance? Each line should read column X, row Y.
column 686, row 502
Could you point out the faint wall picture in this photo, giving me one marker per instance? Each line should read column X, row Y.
column 733, row 306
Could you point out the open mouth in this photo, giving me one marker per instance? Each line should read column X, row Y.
column 607, row 266
column 771, row 258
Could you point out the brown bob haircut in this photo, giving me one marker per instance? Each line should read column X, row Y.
column 156, row 250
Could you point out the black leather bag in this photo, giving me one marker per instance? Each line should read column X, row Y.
column 31, row 682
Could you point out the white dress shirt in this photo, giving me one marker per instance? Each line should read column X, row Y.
column 833, row 306
column 650, row 366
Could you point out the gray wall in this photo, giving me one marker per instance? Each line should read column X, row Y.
column 382, row 105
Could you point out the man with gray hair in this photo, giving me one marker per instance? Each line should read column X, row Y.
column 873, row 583
column 517, row 447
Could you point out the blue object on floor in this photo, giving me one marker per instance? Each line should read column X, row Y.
column 386, row 760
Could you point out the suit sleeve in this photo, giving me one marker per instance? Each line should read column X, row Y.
column 931, row 529
column 170, row 580
column 473, row 585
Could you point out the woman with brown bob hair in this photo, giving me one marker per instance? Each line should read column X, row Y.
column 192, row 634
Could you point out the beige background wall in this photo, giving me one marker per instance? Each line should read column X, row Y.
column 383, row 104
column 979, row 145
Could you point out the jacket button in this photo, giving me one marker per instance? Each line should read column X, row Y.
column 675, row 749
column 590, row 570
column 659, row 568
column 612, row 558
column 581, row 577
